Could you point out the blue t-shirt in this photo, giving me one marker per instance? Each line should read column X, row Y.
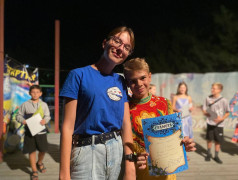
column 101, row 99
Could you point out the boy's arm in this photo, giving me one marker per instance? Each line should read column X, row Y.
column 127, row 140
column 204, row 108
column 66, row 138
column 20, row 114
column 205, row 113
column 46, row 113
column 220, row 119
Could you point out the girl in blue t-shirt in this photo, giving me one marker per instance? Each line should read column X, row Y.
column 96, row 123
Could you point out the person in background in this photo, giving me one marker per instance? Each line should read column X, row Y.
column 182, row 101
column 216, row 109
column 38, row 142
column 234, row 113
column 145, row 105
column 96, row 123
column 152, row 89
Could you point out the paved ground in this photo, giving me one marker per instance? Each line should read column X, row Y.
column 16, row 166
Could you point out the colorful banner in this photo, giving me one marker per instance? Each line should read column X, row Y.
column 199, row 87
column 16, row 83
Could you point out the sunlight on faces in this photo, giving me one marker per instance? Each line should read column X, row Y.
column 35, row 94
column 139, row 83
column 115, row 53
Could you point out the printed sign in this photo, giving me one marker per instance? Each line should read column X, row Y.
column 163, row 136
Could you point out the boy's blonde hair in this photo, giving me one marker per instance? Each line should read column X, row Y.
column 218, row 84
column 135, row 64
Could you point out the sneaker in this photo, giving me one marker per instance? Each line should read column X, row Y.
column 208, row 157
column 217, row 159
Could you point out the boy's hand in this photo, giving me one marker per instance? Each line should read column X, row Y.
column 207, row 114
column 189, row 144
column 141, row 160
column 24, row 122
column 218, row 119
column 42, row 122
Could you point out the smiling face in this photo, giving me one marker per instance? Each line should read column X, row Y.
column 139, row 83
column 116, row 48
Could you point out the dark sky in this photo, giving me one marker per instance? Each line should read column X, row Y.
column 29, row 26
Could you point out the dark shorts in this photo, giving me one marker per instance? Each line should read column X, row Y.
column 33, row 143
column 214, row 133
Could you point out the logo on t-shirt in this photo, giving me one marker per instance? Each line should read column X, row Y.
column 114, row 93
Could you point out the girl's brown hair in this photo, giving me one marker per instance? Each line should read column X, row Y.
column 180, row 84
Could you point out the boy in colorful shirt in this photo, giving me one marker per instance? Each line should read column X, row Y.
column 145, row 105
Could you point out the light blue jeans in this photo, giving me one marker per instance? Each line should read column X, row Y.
column 100, row 161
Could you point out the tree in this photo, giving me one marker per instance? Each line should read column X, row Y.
column 213, row 48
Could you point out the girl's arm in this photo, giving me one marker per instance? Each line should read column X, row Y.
column 66, row 137
column 174, row 104
column 127, row 140
column 190, row 103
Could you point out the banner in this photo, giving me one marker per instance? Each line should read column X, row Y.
column 16, row 83
column 199, row 87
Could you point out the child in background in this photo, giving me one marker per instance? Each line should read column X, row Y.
column 152, row 89
column 38, row 142
column 145, row 105
column 234, row 114
column 182, row 101
column 216, row 108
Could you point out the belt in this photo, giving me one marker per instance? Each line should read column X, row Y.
column 82, row 140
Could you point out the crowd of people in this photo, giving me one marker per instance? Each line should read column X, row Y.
column 100, row 131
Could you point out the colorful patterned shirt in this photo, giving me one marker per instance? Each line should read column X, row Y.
column 149, row 107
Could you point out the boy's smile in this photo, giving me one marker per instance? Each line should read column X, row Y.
column 139, row 83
